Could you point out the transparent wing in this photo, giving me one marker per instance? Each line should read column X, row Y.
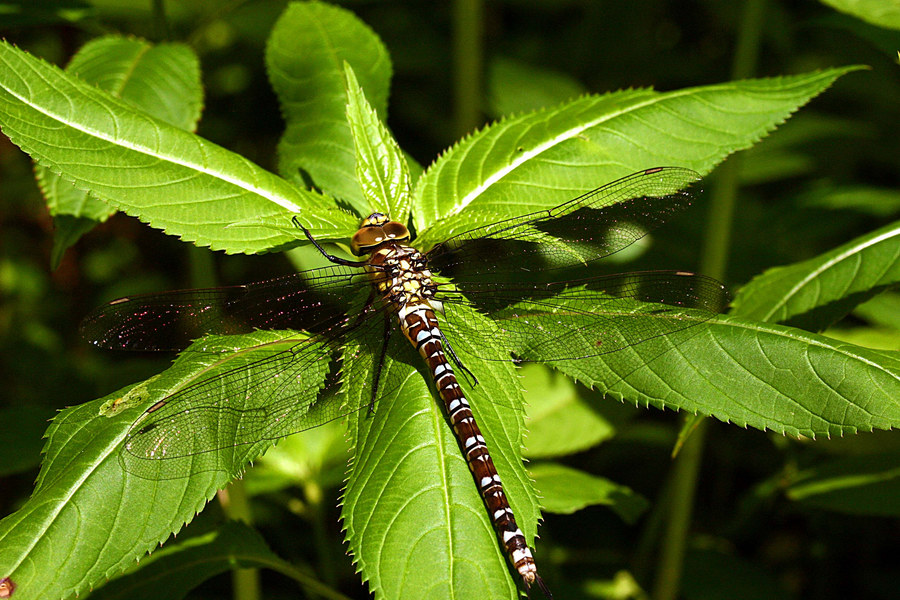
column 315, row 300
column 588, row 317
column 582, row 230
column 241, row 401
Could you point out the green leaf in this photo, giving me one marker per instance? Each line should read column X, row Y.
column 411, row 506
column 68, row 230
column 858, row 485
column 515, row 87
column 380, row 166
column 884, row 13
column 785, row 155
column 163, row 81
column 172, row 179
column 119, row 515
column 539, row 160
column 878, row 202
column 870, row 337
column 565, row 490
column 776, row 378
column 882, row 310
column 305, row 56
column 183, row 566
column 560, row 421
column 313, row 458
column 82, row 488
column 815, row 293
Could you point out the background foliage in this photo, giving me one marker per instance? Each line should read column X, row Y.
column 775, row 517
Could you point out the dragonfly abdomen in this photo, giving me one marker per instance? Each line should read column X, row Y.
column 420, row 326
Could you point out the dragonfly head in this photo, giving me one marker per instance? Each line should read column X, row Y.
column 377, row 229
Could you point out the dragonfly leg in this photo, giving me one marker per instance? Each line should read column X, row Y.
column 331, row 257
column 469, row 375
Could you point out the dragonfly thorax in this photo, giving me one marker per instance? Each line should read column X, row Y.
column 400, row 274
column 376, row 230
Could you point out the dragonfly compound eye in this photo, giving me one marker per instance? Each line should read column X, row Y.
column 374, row 232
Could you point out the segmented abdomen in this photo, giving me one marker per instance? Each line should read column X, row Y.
column 420, row 326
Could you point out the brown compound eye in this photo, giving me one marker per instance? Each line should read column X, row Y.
column 396, row 231
column 370, row 236
column 366, row 239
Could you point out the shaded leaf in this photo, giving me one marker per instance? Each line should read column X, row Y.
column 858, row 485
column 82, row 487
column 179, row 568
column 882, row 310
column 566, row 490
column 560, row 422
column 516, row 87
column 878, row 202
column 316, row 457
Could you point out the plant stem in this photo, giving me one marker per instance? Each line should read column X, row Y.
column 160, row 23
column 236, row 505
column 714, row 263
column 468, row 64
column 683, row 479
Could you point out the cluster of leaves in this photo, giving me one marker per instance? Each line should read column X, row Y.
column 114, row 133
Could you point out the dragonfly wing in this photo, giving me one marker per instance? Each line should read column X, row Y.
column 314, row 300
column 589, row 317
column 236, row 404
column 587, row 228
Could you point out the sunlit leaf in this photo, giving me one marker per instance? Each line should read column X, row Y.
column 817, row 292
column 380, row 166
column 539, row 160
column 884, row 13
column 170, row 178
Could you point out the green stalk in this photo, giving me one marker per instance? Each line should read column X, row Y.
column 236, row 505
column 683, row 480
column 160, row 23
column 468, row 64
column 714, row 260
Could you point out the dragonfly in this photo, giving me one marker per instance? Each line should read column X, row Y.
column 531, row 277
